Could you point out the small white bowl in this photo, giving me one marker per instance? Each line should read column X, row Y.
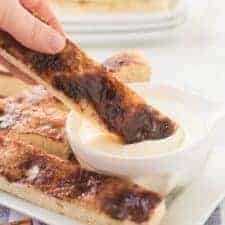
column 162, row 172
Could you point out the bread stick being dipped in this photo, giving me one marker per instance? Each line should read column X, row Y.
column 35, row 110
column 126, row 66
column 88, row 87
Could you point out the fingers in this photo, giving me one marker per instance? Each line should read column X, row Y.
column 30, row 31
column 42, row 8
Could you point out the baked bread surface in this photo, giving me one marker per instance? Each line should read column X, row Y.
column 66, row 188
column 37, row 118
column 129, row 66
column 88, row 87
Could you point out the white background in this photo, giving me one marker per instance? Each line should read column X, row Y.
column 194, row 57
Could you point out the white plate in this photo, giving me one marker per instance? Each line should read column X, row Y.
column 198, row 201
column 191, row 207
column 80, row 28
column 124, row 37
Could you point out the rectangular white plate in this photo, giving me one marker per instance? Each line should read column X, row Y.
column 192, row 207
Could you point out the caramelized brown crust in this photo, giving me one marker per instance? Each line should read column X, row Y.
column 114, row 197
column 22, row 222
column 81, row 79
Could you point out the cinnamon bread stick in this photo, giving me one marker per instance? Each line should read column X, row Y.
column 37, row 118
column 88, row 87
column 64, row 187
column 129, row 66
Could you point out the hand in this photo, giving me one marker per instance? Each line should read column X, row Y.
column 16, row 18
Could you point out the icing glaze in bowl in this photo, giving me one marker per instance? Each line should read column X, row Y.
column 161, row 165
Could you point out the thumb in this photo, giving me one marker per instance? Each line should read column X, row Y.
column 30, row 31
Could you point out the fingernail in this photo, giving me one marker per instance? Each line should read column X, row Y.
column 57, row 43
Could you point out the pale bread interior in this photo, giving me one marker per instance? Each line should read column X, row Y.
column 73, row 210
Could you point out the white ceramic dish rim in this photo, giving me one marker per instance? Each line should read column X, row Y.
column 126, row 37
column 105, row 28
column 160, row 155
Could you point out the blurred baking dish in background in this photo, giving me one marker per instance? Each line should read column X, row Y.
column 83, row 6
column 114, row 21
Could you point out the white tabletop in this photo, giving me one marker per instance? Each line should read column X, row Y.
column 193, row 57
